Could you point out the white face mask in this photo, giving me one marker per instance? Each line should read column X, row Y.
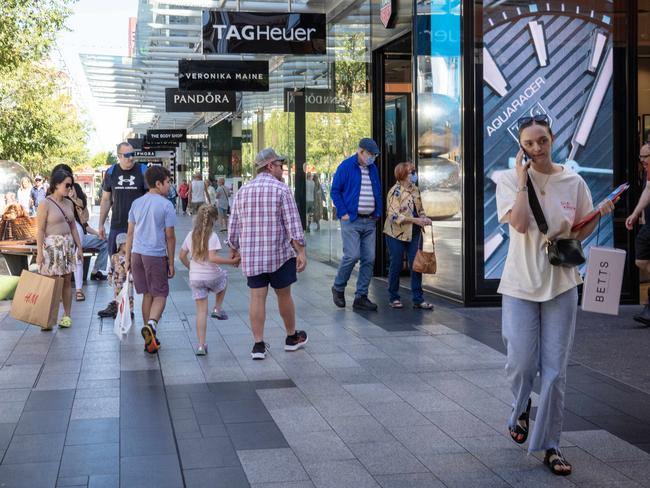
column 371, row 160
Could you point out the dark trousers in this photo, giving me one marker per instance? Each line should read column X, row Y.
column 396, row 250
column 184, row 201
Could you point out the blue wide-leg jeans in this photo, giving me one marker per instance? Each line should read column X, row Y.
column 358, row 245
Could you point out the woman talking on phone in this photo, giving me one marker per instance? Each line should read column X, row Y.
column 539, row 298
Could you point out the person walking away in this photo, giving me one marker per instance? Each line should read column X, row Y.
column 356, row 194
column 150, row 246
column 202, row 245
column 124, row 182
column 642, row 247
column 38, row 192
column 540, row 300
column 319, row 202
column 173, row 194
column 266, row 231
column 223, row 194
column 89, row 239
column 212, row 194
column 183, row 192
column 24, row 195
column 117, row 277
column 404, row 226
column 57, row 237
column 198, row 193
column 309, row 194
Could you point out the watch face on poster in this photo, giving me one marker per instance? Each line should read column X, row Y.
column 553, row 58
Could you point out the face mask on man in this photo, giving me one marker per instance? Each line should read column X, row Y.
column 371, row 160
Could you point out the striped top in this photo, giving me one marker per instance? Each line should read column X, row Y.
column 366, row 197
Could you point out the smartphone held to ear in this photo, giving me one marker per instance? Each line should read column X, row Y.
column 526, row 157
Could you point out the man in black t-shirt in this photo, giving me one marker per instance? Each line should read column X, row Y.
column 123, row 183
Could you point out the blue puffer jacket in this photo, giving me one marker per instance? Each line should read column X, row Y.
column 346, row 187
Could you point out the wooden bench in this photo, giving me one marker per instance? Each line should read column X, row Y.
column 19, row 254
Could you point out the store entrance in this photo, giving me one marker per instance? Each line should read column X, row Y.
column 392, row 121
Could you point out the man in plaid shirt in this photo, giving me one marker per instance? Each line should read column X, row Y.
column 265, row 229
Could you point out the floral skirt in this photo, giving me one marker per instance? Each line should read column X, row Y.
column 59, row 256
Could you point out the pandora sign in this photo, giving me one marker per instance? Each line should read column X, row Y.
column 199, row 101
column 263, row 33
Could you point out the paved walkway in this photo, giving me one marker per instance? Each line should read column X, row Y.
column 390, row 399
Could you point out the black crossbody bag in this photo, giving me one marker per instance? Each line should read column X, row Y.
column 561, row 252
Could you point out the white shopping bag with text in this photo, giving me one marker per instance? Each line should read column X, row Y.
column 602, row 290
column 123, row 320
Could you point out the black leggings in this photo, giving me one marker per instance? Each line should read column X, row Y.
column 184, row 200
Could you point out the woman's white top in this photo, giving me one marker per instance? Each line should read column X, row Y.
column 198, row 191
column 527, row 273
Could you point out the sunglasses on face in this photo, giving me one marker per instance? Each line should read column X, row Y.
column 68, row 186
column 523, row 122
column 128, row 155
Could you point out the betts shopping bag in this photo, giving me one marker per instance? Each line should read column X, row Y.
column 36, row 300
column 123, row 320
column 602, row 290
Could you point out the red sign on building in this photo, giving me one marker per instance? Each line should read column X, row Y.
column 387, row 13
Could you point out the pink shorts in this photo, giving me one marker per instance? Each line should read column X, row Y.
column 202, row 288
column 150, row 275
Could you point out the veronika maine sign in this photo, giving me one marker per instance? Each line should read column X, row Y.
column 199, row 101
column 223, row 75
column 263, row 33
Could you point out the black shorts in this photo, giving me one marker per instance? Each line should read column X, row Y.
column 280, row 278
column 643, row 243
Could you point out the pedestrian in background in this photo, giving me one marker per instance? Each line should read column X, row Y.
column 222, row 198
column 173, row 194
column 356, row 194
column 198, row 193
column 201, row 246
column 150, row 248
column 24, row 195
column 319, row 202
column 58, row 245
column 183, row 192
column 404, row 226
column 38, row 192
column 539, row 299
column 266, row 231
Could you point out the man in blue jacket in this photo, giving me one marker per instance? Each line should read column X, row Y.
column 356, row 194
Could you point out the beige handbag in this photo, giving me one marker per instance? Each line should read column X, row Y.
column 425, row 261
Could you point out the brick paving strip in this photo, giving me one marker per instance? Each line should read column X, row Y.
column 373, row 401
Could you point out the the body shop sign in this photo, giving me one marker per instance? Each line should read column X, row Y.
column 223, row 75
column 167, row 137
column 263, row 33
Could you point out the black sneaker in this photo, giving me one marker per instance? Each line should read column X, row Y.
column 362, row 303
column 259, row 350
column 644, row 316
column 98, row 276
column 109, row 311
column 296, row 341
column 338, row 297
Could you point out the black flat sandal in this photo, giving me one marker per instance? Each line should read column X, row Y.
column 554, row 460
column 518, row 430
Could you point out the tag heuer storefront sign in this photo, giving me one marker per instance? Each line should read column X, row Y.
column 223, row 75
column 199, row 101
column 263, row 33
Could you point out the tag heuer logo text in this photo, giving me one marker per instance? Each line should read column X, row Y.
column 263, row 33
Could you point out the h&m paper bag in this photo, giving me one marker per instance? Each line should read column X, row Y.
column 37, row 298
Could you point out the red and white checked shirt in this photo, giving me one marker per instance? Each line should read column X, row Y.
column 264, row 220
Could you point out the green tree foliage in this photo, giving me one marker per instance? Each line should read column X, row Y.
column 28, row 29
column 39, row 124
column 102, row 159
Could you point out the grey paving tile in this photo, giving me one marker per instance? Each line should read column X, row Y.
column 460, row 470
column 138, row 442
column 340, row 474
column 93, row 431
column 283, row 398
column 43, row 422
column 72, row 481
column 429, row 401
column 314, row 447
column 335, row 360
column 29, row 475
column 212, row 452
column 14, row 394
column 606, row 446
column 284, row 484
column 230, row 477
column 90, row 459
column 57, row 381
column 396, row 414
column 414, row 480
column 299, row 419
column 104, row 481
column 95, row 408
column 50, row 400
column 6, row 431
column 252, row 410
column 256, row 435
column 165, row 472
column 360, row 429
column 338, row 406
column 386, row 458
column 372, row 393
column 271, row 465
column 638, row 471
column 10, row 412
column 460, row 424
column 426, row 440
column 41, row 448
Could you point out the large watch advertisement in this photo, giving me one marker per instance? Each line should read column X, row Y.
column 553, row 58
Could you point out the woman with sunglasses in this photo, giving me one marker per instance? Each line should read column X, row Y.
column 404, row 220
column 540, row 300
column 58, row 243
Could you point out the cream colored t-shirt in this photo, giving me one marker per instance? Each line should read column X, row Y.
column 527, row 273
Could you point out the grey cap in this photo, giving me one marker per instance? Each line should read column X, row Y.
column 266, row 156
column 120, row 239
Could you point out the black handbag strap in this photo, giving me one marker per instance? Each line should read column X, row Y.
column 535, row 206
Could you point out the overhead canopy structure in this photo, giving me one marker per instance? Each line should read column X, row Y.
column 168, row 31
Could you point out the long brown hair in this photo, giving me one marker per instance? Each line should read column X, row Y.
column 203, row 225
